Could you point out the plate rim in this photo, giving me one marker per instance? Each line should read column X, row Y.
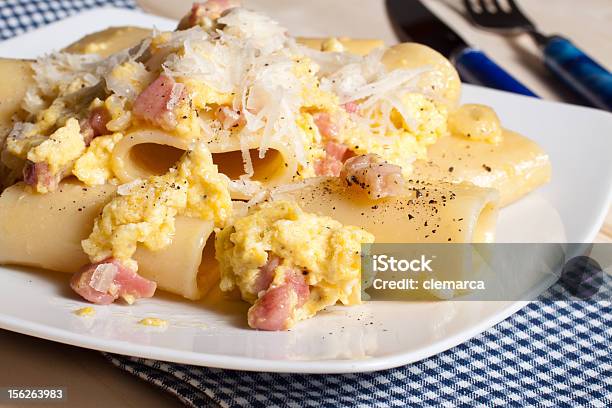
column 321, row 366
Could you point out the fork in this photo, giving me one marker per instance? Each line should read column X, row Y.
column 567, row 62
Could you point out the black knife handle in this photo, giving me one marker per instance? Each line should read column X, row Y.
column 476, row 68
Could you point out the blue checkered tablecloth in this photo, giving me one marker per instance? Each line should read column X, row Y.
column 553, row 353
column 19, row 16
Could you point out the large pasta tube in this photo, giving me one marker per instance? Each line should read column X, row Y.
column 146, row 152
column 45, row 230
column 514, row 167
column 425, row 213
column 109, row 41
column 15, row 77
column 442, row 81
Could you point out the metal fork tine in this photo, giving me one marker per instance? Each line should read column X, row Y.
column 513, row 5
column 498, row 7
column 483, row 6
column 469, row 6
column 496, row 15
column 515, row 11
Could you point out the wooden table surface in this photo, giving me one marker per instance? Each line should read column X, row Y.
column 93, row 382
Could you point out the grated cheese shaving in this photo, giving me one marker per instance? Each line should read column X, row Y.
column 245, row 186
column 257, row 30
column 129, row 188
column 246, row 155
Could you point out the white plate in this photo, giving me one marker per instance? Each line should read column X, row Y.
column 368, row 337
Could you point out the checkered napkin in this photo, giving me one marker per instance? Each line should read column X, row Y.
column 19, row 16
column 555, row 352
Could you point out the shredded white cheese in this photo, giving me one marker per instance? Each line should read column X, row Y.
column 129, row 188
column 245, row 186
column 255, row 29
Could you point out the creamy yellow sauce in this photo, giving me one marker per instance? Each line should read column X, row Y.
column 153, row 322
column 85, row 311
column 476, row 122
column 109, row 41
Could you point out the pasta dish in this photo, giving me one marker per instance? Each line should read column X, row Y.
column 228, row 154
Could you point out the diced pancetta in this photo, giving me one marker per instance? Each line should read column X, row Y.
column 327, row 127
column 266, row 274
column 98, row 119
column 331, row 164
column 157, row 103
column 39, row 175
column 95, row 124
column 373, row 175
column 351, row 107
column 104, row 282
column 275, row 309
column 204, row 13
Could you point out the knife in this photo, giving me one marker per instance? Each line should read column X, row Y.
column 412, row 21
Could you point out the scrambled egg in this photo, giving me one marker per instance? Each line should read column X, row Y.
column 129, row 79
column 203, row 95
column 25, row 136
column 94, row 166
column 153, row 322
column 85, row 311
column 20, row 141
column 311, row 94
column 326, row 251
column 144, row 211
column 429, row 118
column 403, row 142
column 64, row 146
column 314, row 145
column 49, row 117
column 120, row 115
column 188, row 122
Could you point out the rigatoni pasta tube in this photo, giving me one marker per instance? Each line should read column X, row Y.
column 109, row 41
column 15, row 77
column 515, row 166
column 45, row 230
column 146, row 152
column 426, row 212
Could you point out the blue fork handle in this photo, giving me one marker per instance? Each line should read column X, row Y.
column 579, row 72
column 476, row 68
